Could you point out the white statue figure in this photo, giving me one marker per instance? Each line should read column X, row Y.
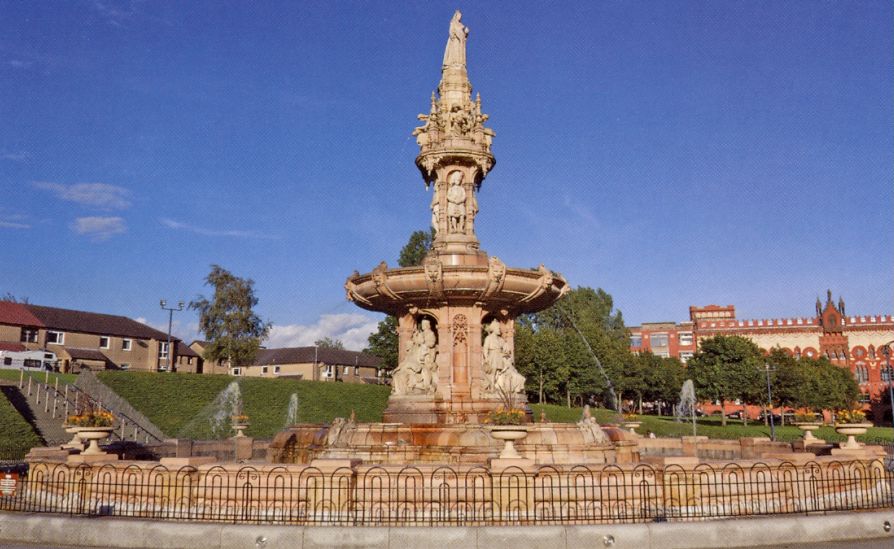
column 435, row 210
column 416, row 374
column 455, row 52
column 456, row 203
column 500, row 374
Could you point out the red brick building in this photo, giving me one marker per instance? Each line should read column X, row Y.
column 850, row 341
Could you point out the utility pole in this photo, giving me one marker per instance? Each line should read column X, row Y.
column 170, row 310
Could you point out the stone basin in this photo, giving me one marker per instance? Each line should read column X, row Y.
column 513, row 289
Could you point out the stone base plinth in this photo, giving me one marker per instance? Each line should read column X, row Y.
column 76, row 459
column 394, row 443
column 427, row 410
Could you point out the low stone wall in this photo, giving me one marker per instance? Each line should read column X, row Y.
column 506, row 492
column 712, row 449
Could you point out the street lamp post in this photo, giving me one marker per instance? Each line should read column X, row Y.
column 170, row 311
column 770, row 403
column 886, row 350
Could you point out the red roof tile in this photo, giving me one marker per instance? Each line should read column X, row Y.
column 93, row 323
column 17, row 314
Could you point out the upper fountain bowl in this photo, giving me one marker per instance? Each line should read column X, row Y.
column 493, row 283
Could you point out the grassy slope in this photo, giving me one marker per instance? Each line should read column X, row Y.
column 181, row 405
column 16, row 434
column 13, row 375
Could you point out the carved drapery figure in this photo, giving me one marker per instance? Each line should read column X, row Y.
column 455, row 52
column 500, row 375
column 456, row 203
column 435, row 209
column 417, row 373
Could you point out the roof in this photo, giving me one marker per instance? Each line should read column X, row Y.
column 324, row 355
column 17, row 314
column 9, row 346
column 68, row 320
column 85, row 354
column 184, row 350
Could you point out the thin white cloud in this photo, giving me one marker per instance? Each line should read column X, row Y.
column 353, row 329
column 13, row 225
column 177, row 225
column 15, row 156
column 100, row 195
column 99, row 228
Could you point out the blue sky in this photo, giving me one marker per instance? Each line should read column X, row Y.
column 672, row 153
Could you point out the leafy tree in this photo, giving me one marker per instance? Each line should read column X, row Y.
column 812, row 383
column 10, row 297
column 663, row 378
column 231, row 327
column 558, row 349
column 726, row 368
column 330, row 343
column 416, row 248
column 383, row 343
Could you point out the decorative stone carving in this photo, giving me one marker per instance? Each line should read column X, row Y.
column 456, row 203
column 496, row 273
column 591, row 430
column 435, row 210
column 500, row 375
column 337, row 435
column 417, row 373
column 455, row 52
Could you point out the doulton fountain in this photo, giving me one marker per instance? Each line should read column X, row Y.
column 456, row 314
column 434, row 461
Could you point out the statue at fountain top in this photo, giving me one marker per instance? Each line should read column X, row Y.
column 455, row 52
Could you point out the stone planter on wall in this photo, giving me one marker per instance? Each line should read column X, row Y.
column 808, row 427
column 94, row 435
column 851, row 430
column 509, row 434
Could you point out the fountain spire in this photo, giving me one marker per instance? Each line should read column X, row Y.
column 454, row 153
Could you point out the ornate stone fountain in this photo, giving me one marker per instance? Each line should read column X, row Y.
column 456, row 313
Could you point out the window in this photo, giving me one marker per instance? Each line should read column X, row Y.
column 56, row 337
column 686, row 338
column 859, row 352
column 162, row 350
column 636, row 340
column 7, row 360
column 276, row 369
column 104, row 342
column 124, row 366
column 346, row 371
column 659, row 340
column 263, row 369
column 684, row 357
column 663, row 354
column 29, row 335
column 861, row 373
column 126, row 344
column 327, row 370
column 886, row 374
column 356, row 370
column 237, row 371
column 864, row 397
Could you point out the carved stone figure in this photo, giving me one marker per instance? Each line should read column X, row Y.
column 455, row 52
column 456, row 204
column 500, row 374
column 435, row 210
column 416, row 374
column 591, row 431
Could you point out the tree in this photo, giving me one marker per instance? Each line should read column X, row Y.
column 726, row 368
column 663, row 377
column 575, row 350
column 232, row 329
column 330, row 343
column 383, row 343
column 10, row 297
column 416, row 248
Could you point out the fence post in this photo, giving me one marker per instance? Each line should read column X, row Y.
column 76, row 401
column 38, row 395
column 66, row 401
column 29, row 385
column 22, row 378
column 46, row 397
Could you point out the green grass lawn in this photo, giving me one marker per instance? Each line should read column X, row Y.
column 182, row 405
column 13, row 375
column 708, row 426
column 16, row 434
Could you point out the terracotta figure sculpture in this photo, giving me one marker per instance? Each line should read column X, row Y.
column 455, row 52
column 456, row 203
column 416, row 373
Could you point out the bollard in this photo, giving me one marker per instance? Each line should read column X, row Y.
column 22, row 378
column 66, row 401
column 38, row 395
column 29, row 385
column 46, row 398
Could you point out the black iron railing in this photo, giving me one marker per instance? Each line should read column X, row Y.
column 444, row 496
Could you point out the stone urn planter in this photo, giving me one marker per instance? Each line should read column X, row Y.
column 808, row 427
column 93, row 435
column 632, row 426
column 240, row 425
column 851, row 430
column 75, row 443
column 509, row 434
